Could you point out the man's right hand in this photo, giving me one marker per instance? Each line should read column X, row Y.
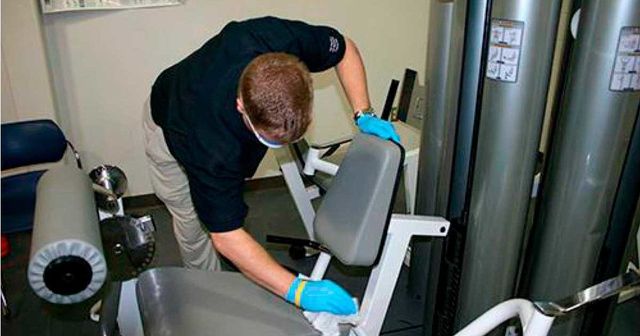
column 320, row 296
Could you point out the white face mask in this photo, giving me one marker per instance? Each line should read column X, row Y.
column 262, row 140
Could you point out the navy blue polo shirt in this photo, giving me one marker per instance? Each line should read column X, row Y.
column 194, row 102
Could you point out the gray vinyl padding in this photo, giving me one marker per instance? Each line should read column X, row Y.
column 65, row 224
column 178, row 301
column 353, row 216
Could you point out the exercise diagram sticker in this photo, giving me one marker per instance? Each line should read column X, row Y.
column 625, row 75
column 505, row 44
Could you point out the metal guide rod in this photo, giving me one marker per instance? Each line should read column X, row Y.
column 444, row 70
column 465, row 70
column 432, row 143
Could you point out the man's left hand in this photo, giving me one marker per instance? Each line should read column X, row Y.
column 370, row 124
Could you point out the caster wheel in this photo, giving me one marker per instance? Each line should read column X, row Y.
column 297, row 252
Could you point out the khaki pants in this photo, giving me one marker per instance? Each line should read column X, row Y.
column 172, row 187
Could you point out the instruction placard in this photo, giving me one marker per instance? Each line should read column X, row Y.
column 625, row 75
column 505, row 44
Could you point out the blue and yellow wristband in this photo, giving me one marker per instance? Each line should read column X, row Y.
column 294, row 295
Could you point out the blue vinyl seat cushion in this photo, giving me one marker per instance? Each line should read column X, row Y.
column 26, row 143
column 31, row 142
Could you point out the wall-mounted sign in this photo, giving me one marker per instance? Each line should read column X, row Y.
column 54, row 6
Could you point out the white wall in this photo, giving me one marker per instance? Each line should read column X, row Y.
column 26, row 84
column 103, row 63
column 9, row 112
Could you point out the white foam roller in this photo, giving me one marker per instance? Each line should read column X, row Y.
column 67, row 263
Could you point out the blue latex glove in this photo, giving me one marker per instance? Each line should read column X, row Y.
column 372, row 125
column 320, row 296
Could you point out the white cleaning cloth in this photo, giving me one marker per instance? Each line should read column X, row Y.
column 329, row 324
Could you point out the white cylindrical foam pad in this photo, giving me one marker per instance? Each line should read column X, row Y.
column 56, row 253
column 67, row 264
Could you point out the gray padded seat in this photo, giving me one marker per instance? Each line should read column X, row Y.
column 181, row 302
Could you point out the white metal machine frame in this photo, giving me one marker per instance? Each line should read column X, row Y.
column 385, row 274
column 534, row 322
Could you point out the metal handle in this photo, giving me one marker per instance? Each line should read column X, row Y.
column 603, row 290
column 296, row 241
column 104, row 191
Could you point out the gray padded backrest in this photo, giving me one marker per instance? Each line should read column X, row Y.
column 352, row 219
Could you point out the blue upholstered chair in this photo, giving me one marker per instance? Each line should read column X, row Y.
column 27, row 143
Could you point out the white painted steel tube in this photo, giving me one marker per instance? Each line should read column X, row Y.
column 313, row 162
column 534, row 323
column 321, row 266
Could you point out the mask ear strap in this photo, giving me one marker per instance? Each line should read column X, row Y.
column 260, row 138
column 267, row 143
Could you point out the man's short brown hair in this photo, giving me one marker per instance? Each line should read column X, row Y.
column 277, row 94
